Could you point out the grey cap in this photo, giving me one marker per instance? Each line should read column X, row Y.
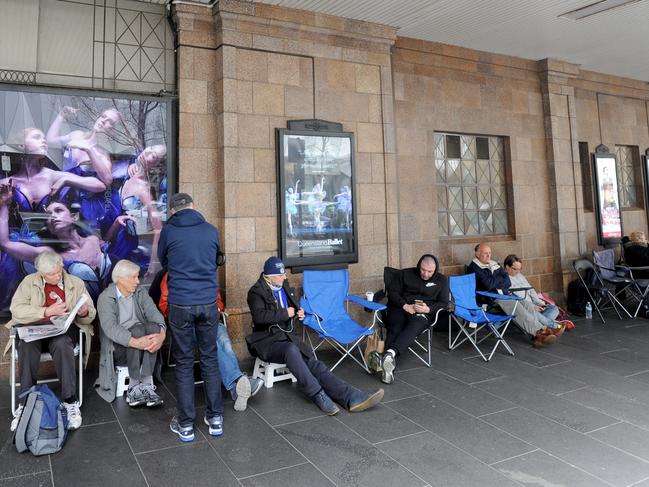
column 178, row 200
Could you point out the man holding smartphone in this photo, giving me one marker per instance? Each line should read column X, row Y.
column 415, row 298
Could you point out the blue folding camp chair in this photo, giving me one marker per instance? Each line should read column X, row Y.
column 325, row 304
column 472, row 319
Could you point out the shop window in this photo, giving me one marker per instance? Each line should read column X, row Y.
column 628, row 175
column 471, row 176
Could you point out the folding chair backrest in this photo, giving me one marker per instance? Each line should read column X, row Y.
column 605, row 262
column 389, row 275
column 463, row 292
column 326, row 291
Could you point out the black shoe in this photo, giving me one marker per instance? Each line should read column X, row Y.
column 325, row 403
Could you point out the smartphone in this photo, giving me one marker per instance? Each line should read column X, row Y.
column 418, row 301
column 131, row 230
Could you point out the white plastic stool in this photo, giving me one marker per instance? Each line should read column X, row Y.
column 271, row 372
column 122, row 380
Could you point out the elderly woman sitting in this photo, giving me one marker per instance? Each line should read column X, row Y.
column 51, row 292
column 132, row 332
column 545, row 313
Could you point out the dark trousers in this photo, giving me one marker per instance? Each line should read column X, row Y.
column 62, row 350
column 200, row 321
column 140, row 363
column 403, row 328
column 311, row 374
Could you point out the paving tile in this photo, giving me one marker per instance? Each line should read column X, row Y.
column 95, row 410
column 556, row 408
column 366, row 382
column 148, row 428
column 469, row 434
column 441, row 464
column 343, row 456
column 189, row 465
column 97, row 453
column 540, row 469
column 452, row 365
column 626, row 437
column 284, row 403
column 12, row 463
column 306, row 475
column 43, row 479
column 379, row 424
column 249, row 446
column 577, row 449
column 470, row 399
column 607, row 402
column 553, row 380
column 603, row 379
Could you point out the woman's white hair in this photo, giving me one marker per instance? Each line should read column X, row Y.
column 48, row 262
column 124, row 268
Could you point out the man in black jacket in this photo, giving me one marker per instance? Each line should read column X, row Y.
column 273, row 308
column 416, row 296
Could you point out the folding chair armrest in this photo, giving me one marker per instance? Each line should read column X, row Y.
column 518, row 289
column 465, row 307
column 639, row 268
column 508, row 297
column 374, row 306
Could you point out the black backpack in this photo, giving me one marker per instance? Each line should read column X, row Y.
column 577, row 298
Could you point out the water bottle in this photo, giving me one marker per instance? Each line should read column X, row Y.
column 589, row 311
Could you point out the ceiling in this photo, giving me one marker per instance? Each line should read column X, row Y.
column 613, row 42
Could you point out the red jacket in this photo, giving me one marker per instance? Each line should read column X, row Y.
column 163, row 305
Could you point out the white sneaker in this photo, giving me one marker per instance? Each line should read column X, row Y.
column 74, row 415
column 14, row 422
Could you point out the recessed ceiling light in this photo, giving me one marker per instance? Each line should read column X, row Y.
column 595, row 8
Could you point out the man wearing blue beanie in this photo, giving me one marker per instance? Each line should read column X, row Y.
column 273, row 308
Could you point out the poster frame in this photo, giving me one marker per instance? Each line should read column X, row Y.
column 313, row 129
column 601, row 154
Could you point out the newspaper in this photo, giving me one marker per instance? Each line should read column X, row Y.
column 58, row 325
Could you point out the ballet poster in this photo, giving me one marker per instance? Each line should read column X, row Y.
column 316, row 198
column 609, row 214
column 84, row 176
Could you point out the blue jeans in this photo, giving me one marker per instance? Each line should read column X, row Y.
column 548, row 315
column 228, row 364
column 201, row 320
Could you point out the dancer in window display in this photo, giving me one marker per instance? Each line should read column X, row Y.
column 83, row 157
column 291, row 207
column 84, row 256
column 344, row 206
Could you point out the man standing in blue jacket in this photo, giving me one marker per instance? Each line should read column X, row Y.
column 188, row 247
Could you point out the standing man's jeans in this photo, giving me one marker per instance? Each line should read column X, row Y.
column 228, row 363
column 184, row 322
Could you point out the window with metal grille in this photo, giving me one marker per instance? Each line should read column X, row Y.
column 628, row 173
column 471, row 185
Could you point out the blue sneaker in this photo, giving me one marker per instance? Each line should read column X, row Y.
column 215, row 423
column 325, row 403
column 185, row 433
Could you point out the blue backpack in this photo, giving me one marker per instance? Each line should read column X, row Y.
column 43, row 424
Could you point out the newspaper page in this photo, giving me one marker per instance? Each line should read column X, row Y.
column 58, row 325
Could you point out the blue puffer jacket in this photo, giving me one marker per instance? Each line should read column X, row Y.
column 188, row 247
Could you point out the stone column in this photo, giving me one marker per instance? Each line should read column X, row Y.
column 562, row 150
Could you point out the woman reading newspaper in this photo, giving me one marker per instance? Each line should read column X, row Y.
column 45, row 295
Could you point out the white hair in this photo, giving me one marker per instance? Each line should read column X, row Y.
column 48, row 262
column 124, row 268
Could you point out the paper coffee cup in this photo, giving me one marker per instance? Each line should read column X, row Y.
column 369, row 295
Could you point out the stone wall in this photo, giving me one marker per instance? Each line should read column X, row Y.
column 273, row 65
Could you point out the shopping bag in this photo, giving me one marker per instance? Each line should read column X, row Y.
column 374, row 346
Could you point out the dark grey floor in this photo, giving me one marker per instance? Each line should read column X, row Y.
column 573, row 414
